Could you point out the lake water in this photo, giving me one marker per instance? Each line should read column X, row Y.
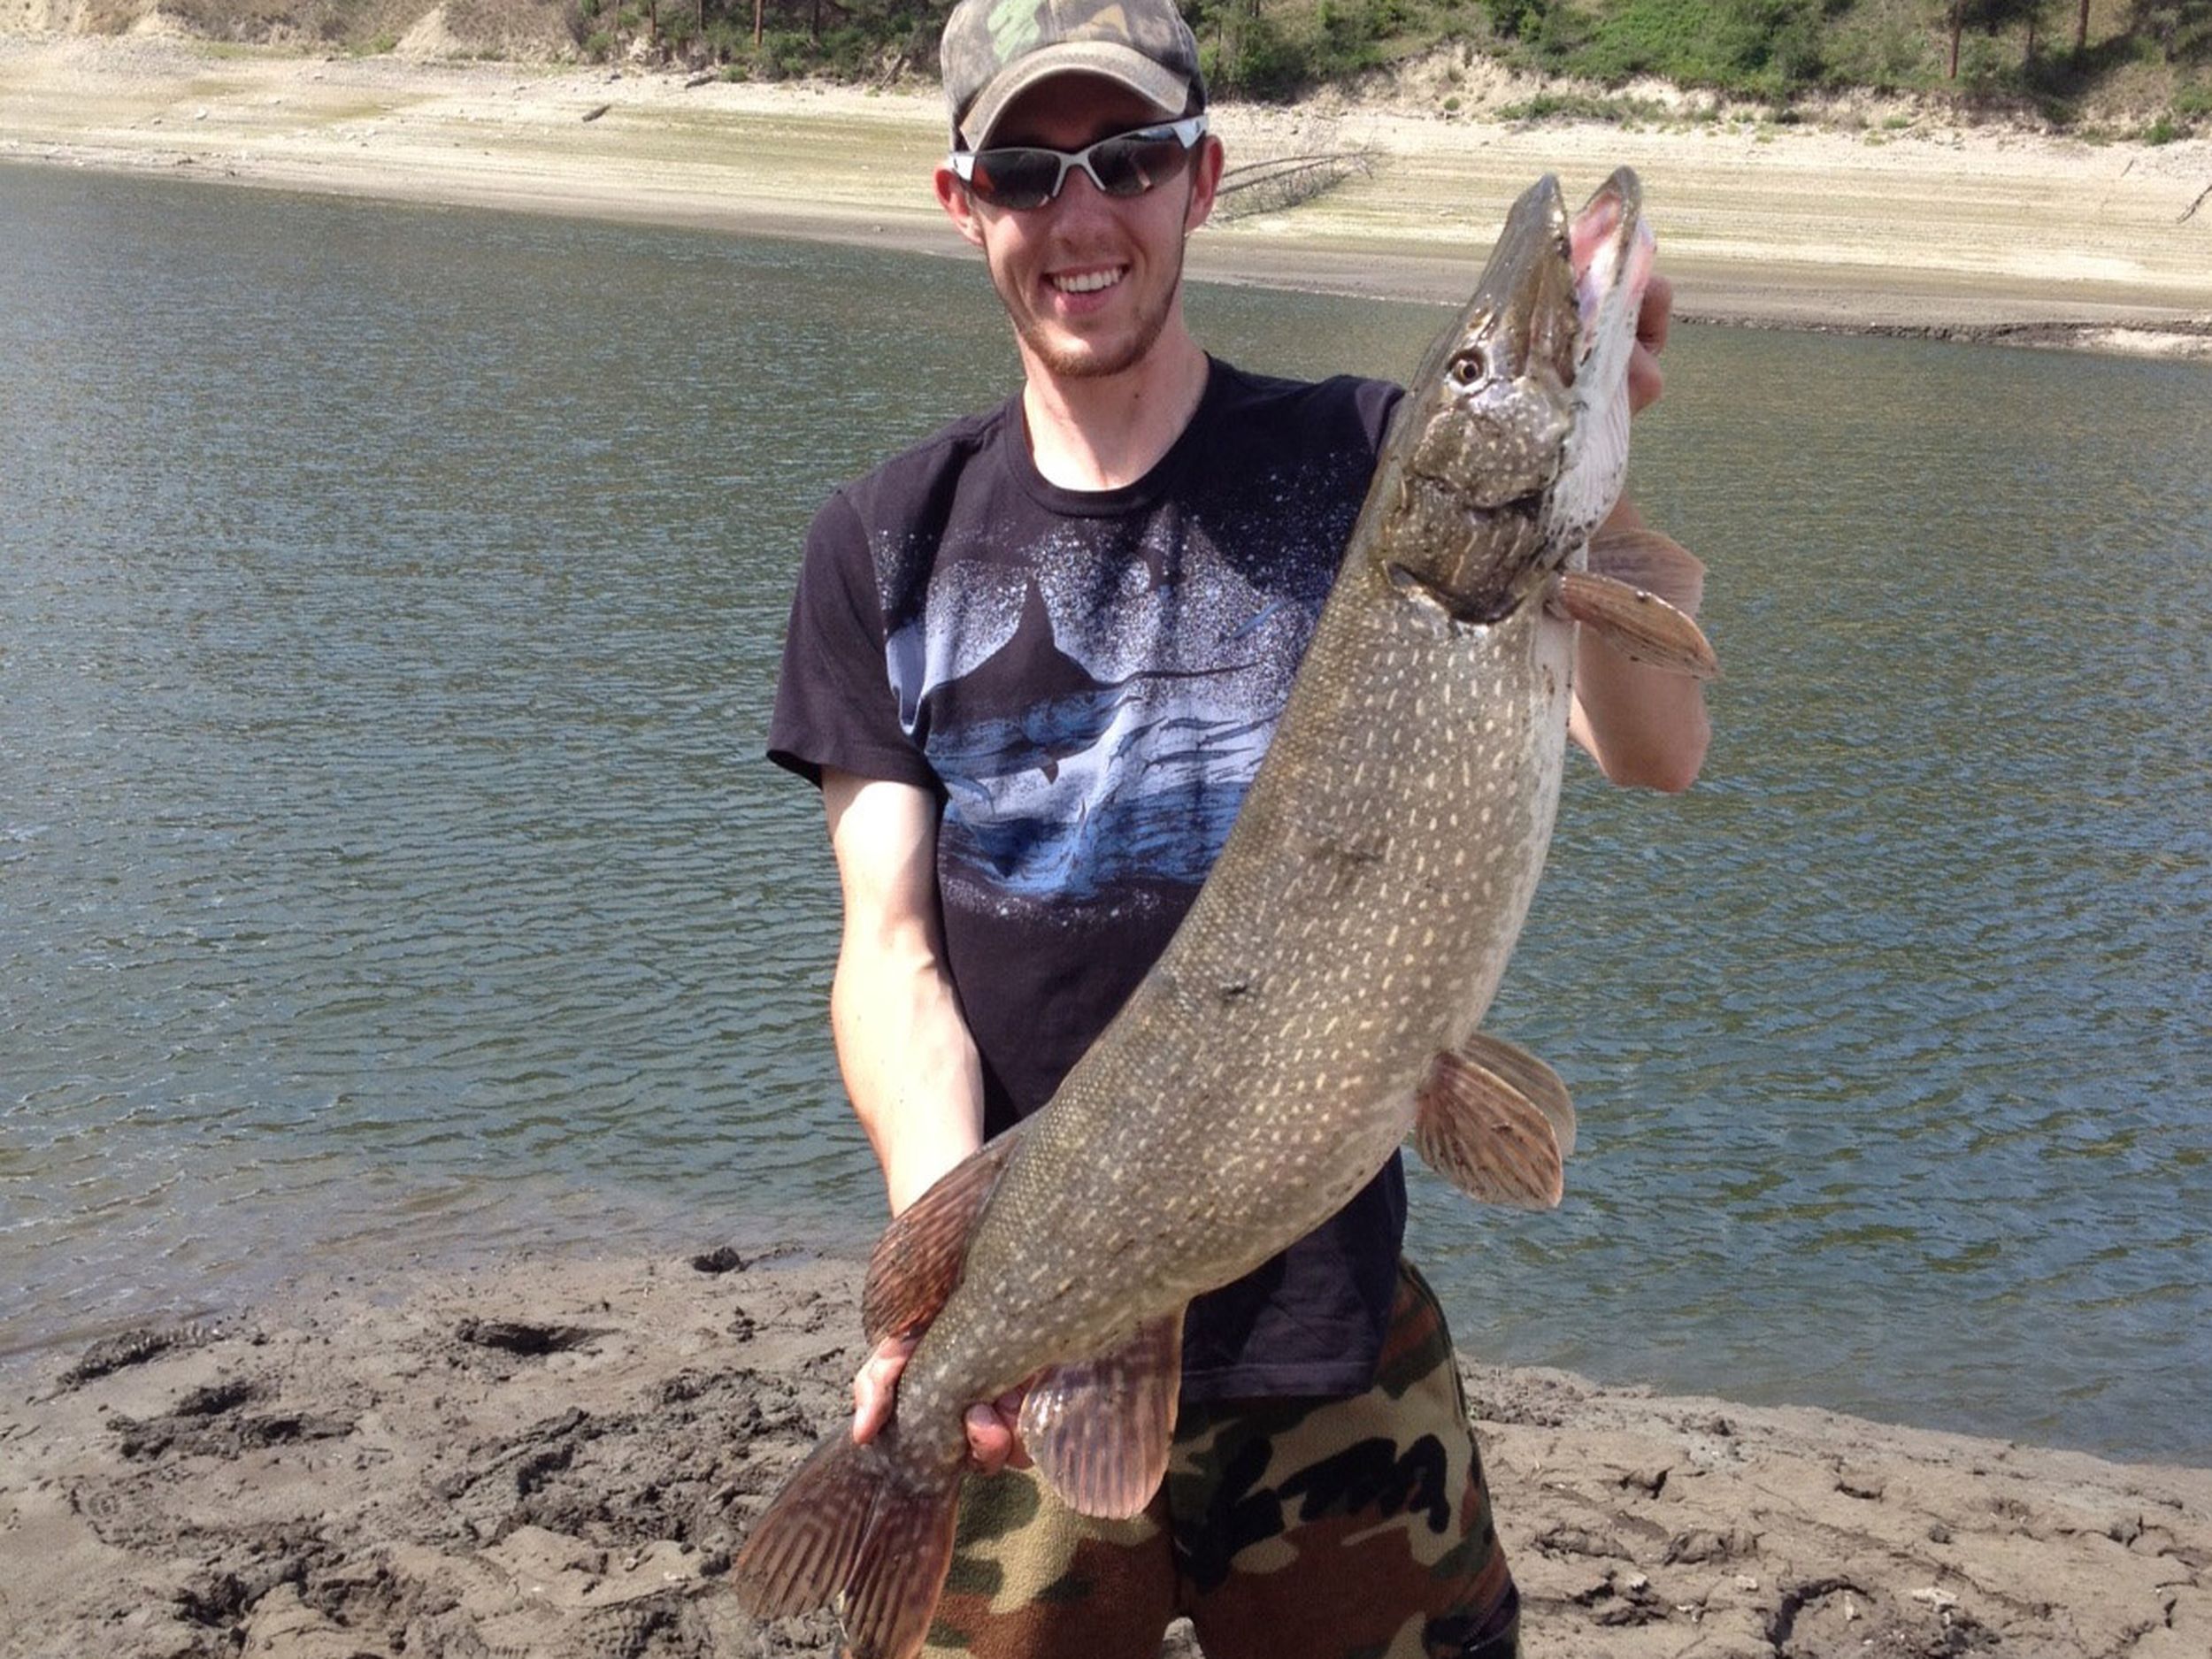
column 389, row 602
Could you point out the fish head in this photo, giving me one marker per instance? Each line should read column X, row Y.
column 1506, row 456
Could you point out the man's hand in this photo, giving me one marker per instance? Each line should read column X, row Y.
column 994, row 1439
column 1646, row 381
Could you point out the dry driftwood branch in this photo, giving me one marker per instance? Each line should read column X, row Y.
column 1276, row 182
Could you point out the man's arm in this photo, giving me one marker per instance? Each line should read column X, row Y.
column 1643, row 726
column 909, row 1063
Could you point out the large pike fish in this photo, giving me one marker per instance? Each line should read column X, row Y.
column 1321, row 999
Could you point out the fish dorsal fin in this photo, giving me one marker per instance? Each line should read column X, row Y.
column 1495, row 1121
column 1640, row 625
column 917, row 1262
column 1099, row 1430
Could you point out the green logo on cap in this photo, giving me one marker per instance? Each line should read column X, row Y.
column 1014, row 27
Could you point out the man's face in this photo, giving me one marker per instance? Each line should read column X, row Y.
column 1090, row 280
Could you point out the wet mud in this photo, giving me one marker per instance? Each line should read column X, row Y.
column 555, row 1458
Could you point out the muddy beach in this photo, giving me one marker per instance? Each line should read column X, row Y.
column 556, row 1456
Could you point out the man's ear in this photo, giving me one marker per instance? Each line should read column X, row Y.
column 959, row 206
column 1205, row 172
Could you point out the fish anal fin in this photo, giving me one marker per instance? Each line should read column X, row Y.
column 1639, row 623
column 917, row 1262
column 853, row 1519
column 1099, row 1429
column 1649, row 559
column 1495, row 1121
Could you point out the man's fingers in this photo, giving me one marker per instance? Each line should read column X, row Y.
column 990, row 1439
column 1647, row 381
column 876, row 1387
column 995, row 1434
column 1657, row 314
column 1009, row 1407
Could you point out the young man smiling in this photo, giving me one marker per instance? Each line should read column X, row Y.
column 1032, row 665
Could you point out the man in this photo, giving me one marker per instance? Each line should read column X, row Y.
column 1034, row 663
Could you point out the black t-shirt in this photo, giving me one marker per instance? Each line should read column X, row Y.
column 1086, row 682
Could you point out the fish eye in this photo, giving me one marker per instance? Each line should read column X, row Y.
column 1469, row 368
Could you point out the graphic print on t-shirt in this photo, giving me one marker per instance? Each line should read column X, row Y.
column 1098, row 697
column 1097, row 715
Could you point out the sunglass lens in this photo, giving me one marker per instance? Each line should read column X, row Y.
column 1130, row 166
column 1014, row 178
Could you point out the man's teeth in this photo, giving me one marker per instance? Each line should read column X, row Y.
column 1089, row 283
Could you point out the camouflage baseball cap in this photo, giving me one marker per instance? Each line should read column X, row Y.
column 993, row 50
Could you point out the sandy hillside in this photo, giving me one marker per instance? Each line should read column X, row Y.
column 1930, row 228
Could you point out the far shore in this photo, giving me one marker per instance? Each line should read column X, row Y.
column 1903, row 226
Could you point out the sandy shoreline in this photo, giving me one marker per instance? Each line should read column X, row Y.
column 554, row 1456
column 1927, row 230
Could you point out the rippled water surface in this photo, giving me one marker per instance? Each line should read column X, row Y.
column 388, row 608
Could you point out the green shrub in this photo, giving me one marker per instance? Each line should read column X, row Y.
column 1767, row 48
column 1259, row 58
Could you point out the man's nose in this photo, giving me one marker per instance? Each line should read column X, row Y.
column 1079, row 194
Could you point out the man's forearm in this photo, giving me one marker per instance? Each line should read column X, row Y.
column 1644, row 726
column 909, row 1064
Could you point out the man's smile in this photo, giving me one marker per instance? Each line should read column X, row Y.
column 1087, row 281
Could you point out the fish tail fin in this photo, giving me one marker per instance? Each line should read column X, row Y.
column 854, row 1519
column 901, row 1573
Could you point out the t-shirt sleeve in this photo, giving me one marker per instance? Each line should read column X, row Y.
column 1377, row 402
column 834, row 702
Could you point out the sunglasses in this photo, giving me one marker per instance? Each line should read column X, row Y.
column 1127, row 163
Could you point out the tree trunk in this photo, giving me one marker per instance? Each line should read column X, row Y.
column 757, row 7
column 2081, row 30
column 1958, row 25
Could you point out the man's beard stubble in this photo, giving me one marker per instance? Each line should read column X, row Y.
column 1081, row 364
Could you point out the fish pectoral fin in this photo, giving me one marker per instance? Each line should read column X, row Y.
column 851, row 1521
column 1638, row 624
column 1099, row 1429
column 1645, row 559
column 917, row 1262
column 1495, row 1122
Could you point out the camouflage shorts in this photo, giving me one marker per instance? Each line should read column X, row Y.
column 1286, row 1529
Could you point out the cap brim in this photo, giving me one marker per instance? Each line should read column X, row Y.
column 1164, row 89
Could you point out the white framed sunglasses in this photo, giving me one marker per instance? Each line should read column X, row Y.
column 1123, row 163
